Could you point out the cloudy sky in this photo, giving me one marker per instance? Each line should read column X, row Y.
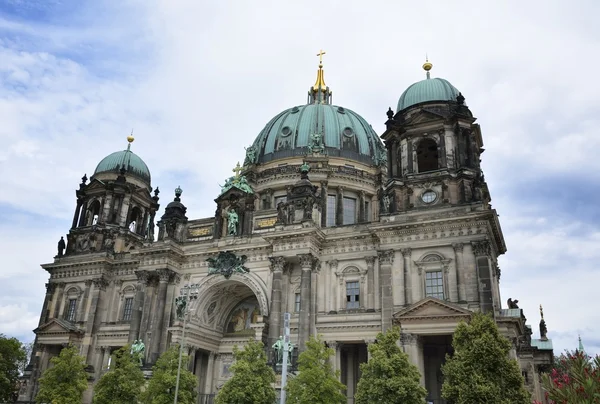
column 197, row 81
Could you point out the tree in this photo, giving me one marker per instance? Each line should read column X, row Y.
column 388, row 377
column 66, row 380
column 12, row 356
column 575, row 379
column 161, row 388
column 480, row 370
column 252, row 380
column 317, row 382
column 122, row 384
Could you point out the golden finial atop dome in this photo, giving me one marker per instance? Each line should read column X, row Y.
column 130, row 138
column 427, row 66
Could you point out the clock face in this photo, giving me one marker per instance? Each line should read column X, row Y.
column 428, row 196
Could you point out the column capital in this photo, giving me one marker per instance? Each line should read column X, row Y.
column 370, row 341
column 142, row 277
column 333, row 345
column 458, row 247
column 100, row 283
column 164, row 275
column 88, row 283
column 50, row 287
column 410, row 339
column 386, row 257
column 333, row 264
column 277, row 264
column 481, row 248
column 406, row 252
column 307, row 261
column 370, row 262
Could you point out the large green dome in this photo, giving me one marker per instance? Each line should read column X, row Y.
column 343, row 133
column 427, row 90
column 125, row 159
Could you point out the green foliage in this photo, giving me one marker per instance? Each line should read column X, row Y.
column 66, row 380
column 480, row 370
column 575, row 379
column 161, row 388
column 12, row 357
column 122, row 384
column 388, row 377
column 252, row 380
column 316, row 383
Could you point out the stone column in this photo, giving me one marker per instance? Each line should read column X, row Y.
column 275, row 315
column 368, row 343
column 323, row 203
column 362, row 216
column 339, row 210
column 307, row 262
column 370, row 283
column 209, row 373
column 60, row 289
column 77, row 213
column 482, row 252
column 407, row 274
column 452, row 276
column 82, row 307
column 386, row 258
column 414, row 350
column 169, row 309
column 50, row 288
column 94, row 316
column 460, row 271
column 158, row 322
column 337, row 357
column 329, row 295
column 138, row 306
column 313, row 297
column 112, row 304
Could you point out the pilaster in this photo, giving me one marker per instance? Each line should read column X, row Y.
column 460, row 271
column 370, row 282
column 386, row 259
column 277, row 266
column 307, row 264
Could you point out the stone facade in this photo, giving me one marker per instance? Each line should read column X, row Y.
column 349, row 248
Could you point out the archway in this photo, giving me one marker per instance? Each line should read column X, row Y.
column 427, row 155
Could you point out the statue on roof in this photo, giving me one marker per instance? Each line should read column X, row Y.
column 250, row 156
column 543, row 327
column 61, row 247
column 316, row 143
column 512, row 304
column 232, row 222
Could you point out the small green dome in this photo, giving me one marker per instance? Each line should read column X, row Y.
column 131, row 162
column 427, row 90
column 340, row 131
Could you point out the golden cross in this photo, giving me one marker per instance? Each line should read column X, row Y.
column 237, row 170
column 320, row 55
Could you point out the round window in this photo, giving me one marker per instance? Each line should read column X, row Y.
column 285, row 131
column 348, row 132
column 428, row 196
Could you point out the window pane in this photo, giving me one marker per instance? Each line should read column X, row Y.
column 352, row 295
column 127, row 309
column 71, row 309
column 349, row 211
column 297, row 303
column 434, row 284
column 330, row 210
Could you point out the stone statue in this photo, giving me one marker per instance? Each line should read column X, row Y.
column 250, row 155
column 390, row 113
column 512, row 304
column 282, row 217
column 232, row 222
column 543, row 328
column 316, row 143
column 180, row 305
column 386, row 203
column 278, row 347
column 151, row 230
column 61, row 246
column 290, row 352
column 137, row 351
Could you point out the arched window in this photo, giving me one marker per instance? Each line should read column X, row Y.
column 93, row 213
column 427, row 155
column 135, row 217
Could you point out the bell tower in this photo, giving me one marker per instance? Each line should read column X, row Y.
column 434, row 148
column 115, row 211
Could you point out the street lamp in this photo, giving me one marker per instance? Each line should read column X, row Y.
column 185, row 303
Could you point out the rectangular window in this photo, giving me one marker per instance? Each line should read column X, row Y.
column 352, row 295
column 330, row 210
column 349, row 211
column 127, row 308
column 434, row 284
column 71, row 309
column 297, row 302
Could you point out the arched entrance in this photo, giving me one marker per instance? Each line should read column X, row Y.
column 229, row 312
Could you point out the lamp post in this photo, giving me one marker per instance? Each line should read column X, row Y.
column 188, row 296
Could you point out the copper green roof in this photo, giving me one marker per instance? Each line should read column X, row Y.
column 126, row 159
column 427, row 90
column 344, row 133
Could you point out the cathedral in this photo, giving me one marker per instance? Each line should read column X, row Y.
column 349, row 231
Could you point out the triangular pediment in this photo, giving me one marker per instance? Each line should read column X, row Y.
column 431, row 308
column 94, row 185
column 55, row 326
column 424, row 117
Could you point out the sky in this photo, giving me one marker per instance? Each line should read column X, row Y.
column 196, row 81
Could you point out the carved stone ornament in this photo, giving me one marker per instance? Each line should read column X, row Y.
column 226, row 264
column 307, row 261
column 386, row 257
column 481, row 248
column 164, row 274
column 277, row 263
column 370, row 262
column 458, row 247
column 50, row 288
column 142, row 277
column 100, row 283
column 406, row 252
column 333, row 264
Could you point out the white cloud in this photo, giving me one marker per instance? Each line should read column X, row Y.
column 197, row 81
